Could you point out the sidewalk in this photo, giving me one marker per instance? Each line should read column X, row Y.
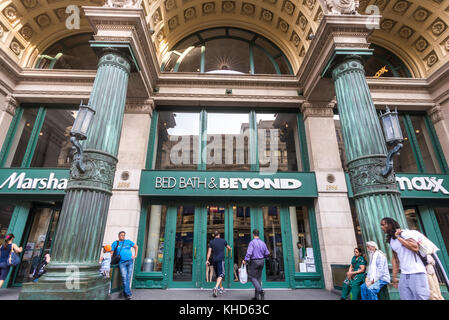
column 206, row 294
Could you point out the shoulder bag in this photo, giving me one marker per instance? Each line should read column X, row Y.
column 13, row 259
column 116, row 257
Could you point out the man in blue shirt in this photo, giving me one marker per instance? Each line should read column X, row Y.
column 255, row 258
column 126, row 262
column 216, row 248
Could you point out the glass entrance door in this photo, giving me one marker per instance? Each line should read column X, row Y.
column 38, row 241
column 183, row 267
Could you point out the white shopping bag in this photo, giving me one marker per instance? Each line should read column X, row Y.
column 243, row 275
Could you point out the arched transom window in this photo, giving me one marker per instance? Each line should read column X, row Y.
column 226, row 50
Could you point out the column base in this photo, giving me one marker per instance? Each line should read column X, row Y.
column 95, row 289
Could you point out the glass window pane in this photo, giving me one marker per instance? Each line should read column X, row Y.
column 242, row 236
column 411, row 215
column 191, row 62
column 183, row 253
column 228, row 141
column 227, row 54
column 54, row 148
column 215, row 222
column 35, row 246
column 273, row 238
column 278, row 133
column 283, row 67
column 442, row 217
column 406, row 161
column 425, row 144
column 302, row 240
column 262, row 64
column 177, row 144
column 154, row 239
column 6, row 211
column 21, row 138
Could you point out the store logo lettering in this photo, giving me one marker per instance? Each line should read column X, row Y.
column 227, row 183
column 40, row 183
column 422, row 184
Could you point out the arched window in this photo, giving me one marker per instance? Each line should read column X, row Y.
column 384, row 63
column 226, row 50
column 73, row 52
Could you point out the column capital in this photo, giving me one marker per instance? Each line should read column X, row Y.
column 318, row 109
column 139, row 106
column 9, row 105
column 435, row 113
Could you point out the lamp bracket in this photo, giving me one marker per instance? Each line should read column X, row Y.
column 389, row 163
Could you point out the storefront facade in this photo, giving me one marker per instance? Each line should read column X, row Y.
column 224, row 125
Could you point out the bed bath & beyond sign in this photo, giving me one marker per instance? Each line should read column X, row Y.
column 227, row 183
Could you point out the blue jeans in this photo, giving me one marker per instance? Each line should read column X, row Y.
column 370, row 293
column 126, row 271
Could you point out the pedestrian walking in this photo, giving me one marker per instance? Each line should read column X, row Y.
column 413, row 284
column 5, row 251
column 105, row 261
column 355, row 276
column 216, row 251
column 126, row 262
column 378, row 274
column 255, row 257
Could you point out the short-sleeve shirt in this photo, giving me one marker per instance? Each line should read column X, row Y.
column 408, row 260
column 106, row 262
column 218, row 245
column 123, row 249
column 356, row 264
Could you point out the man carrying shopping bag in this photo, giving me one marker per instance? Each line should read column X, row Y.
column 255, row 258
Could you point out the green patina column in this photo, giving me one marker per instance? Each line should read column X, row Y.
column 375, row 196
column 73, row 270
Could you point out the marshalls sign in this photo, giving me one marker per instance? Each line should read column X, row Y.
column 33, row 181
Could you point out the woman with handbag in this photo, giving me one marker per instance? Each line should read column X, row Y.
column 6, row 250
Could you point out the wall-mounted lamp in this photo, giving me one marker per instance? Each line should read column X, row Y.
column 79, row 132
column 393, row 136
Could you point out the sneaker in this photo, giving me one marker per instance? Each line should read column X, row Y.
column 221, row 291
column 262, row 295
column 214, row 292
column 129, row 297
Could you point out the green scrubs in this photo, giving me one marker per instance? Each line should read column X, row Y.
column 354, row 284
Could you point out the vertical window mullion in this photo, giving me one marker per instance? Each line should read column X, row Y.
column 436, row 145
column 251, row 58
column 31, row 147
column 253, row 143
column 12, row 131
column 303, row 143
column 414, row 144
column 203, row 59
column 152, row 142
column 202, row 147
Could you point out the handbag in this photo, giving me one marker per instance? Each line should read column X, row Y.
column 243, row 274
column 13, row 259
column 116, row 257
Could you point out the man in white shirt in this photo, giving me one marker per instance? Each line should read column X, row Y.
column 413, row 284
column 378, row 273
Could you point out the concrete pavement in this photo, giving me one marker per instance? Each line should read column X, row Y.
column 206, row 294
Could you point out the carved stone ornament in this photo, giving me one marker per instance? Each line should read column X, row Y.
column 342, row 6
column 135, row 4
column 366, row 177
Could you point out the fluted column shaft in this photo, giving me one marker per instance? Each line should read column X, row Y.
column 375, row 196
column 84, row 213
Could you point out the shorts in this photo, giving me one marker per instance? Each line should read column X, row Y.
column 219, row 268
column 4, row 268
